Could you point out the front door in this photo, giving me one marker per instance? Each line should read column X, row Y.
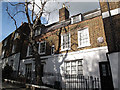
column 105, row 76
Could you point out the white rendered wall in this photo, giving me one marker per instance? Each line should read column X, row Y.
column 91, row 59
column 23, row 67
column 15, row 58
column 114, row 63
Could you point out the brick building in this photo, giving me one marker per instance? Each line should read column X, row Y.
column 12, row 47
column 111, row 19
column 75, row 45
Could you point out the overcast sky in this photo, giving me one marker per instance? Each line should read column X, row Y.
column 73, row 7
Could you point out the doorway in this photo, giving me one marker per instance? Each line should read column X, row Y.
column 105, row 76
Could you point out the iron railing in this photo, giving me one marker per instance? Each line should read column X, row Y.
column 71, row 82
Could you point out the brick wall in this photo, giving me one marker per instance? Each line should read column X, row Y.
column 96, row 29
column 113, row 5
column 111, row 26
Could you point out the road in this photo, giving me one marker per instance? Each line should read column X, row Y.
column 8, row 86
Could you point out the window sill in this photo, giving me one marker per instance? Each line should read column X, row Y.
column 82, row 46
column 65, row 49
column 42, row 53
column 29, row 55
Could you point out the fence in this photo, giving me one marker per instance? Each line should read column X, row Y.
column 71, row 82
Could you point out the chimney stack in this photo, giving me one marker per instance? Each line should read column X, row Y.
column 21, row 23
column 63, row 14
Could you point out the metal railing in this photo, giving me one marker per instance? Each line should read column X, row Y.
column 71, row 82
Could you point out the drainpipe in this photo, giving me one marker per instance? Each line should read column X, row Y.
column 112, row 27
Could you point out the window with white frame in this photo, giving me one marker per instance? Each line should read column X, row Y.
column 76, row 19
column 13, row 48
column 16, row 35
column 52, row 49
column 74, row 67
column 42, row 47
column 83, row 38
column 65, row 42
column 29, row 50
column 38, row 31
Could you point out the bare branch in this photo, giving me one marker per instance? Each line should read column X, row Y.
column 33, row 9
column 17, row 4
column 18, row 12
column 40, row 14
column 28, row 18
column 38, row 6
column 26, row 11
column 11, row 17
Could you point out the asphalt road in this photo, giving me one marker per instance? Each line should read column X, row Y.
column 8, row 86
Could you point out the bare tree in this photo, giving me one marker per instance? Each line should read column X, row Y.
column 34, row 21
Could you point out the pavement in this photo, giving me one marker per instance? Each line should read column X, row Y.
column 14, row 85
column 9, row 86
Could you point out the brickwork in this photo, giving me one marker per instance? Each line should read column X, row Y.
column 111, row 26
column 96, row 29
column 113, row 5
column 63, row 14
column 18, row 41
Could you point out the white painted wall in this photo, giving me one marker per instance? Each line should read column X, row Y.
column 23, row 67
column 91, row 59
column 114, row 63
column 15, row 58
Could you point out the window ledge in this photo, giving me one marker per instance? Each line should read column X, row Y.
column 29, row 55
column 65, row 49
column 84, row 46
column 42, row 53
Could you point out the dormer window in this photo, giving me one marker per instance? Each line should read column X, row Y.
column 37, row 31
column 16, row 35
column 76, row 19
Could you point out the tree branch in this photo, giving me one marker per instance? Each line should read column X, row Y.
column 33, row 9
column 17, row 4
column 40, row 14
column 11, row 17
column 18, row 12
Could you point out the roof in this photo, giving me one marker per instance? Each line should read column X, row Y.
column 85, row 16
